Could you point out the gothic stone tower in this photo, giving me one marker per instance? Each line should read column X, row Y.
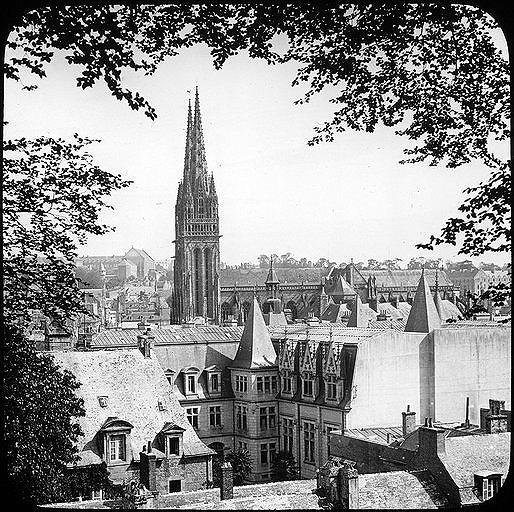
column 197, row 255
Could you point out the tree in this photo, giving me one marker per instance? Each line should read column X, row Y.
column 431, row 70
column 241, row 465
column 88, row 278
column 418, row 263
column 284, row 467
column 52, row 197
column 264, row 261
column 393, row 264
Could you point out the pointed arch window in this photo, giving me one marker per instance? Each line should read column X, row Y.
column 201, row 208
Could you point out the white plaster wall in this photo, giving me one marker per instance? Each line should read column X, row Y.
column 474, row 363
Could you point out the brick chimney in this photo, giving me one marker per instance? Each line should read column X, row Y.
column 408, row 421
column 145, row 343
column 431, row 440
column 496, row 419
column 348, row 486
column 227, row 481
column 147, row 468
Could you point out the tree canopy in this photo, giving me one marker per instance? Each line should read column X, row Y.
column 52, row 196
column 433, row 71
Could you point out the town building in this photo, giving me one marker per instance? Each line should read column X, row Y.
column 325, row 378
column 134, row 419
column 197, row 255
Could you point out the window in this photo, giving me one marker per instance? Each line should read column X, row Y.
column 97, row 494
column 267, row 418
column 215, row 416
column 490, row 486
column 274, row 386
column 308, row 442
column 287, row 383
column 331, row 387
column 192, row 416
column 243, row 446
column 329, row 428
column 173, row 445
column 117, row 450
column 260, row 385
column 241, row 417
column 268, row 453
column 241, row 383
column 287, row 434
column 191, row 384
column 175, row 485
column 215, row 383
column 308, row 384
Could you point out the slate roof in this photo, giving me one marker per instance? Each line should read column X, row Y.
column 399, row 489
column 375, row 434
column 171, row 334
column 388, row 309
column 423, row 316
column 133, row 386
column 335, row 312
column 340, row 288
column 466, row 455
column 361, row 314
column 255, row 348
column 397, row 325
column 228, row 276
column 406, row 278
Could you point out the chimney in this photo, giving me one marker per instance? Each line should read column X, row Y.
column 145, row 343
column 227, row 482
column 147, row 468
column 431, row 440
column 348, row 486
column 408, row 421
column 496, row 419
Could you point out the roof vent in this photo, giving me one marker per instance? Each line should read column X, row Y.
column 161, row 405
column 102, row 400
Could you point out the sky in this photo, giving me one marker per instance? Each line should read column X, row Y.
column 346, row 199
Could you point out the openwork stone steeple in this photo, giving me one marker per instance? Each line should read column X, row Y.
column 196, row 288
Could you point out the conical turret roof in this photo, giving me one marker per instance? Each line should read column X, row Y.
column 423, row 316
column 255, row 348
column 272, row 275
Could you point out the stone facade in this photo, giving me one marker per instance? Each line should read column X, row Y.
column 197, row 257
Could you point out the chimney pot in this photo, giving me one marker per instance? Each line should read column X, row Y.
column 408, row 408
column 149, row 449
column 426, row 422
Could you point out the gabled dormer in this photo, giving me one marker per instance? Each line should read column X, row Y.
column 331, row 376
column 172, row 438
column 308, row 373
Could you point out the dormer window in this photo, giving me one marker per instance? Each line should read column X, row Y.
column 191, row 380
column 191, row 384
column 331, row 387
column 102, row 400
column 116, row 440
column 308, row 384
column 173, row 439
column 169, row 376
column 213, row 379
column 487, row 484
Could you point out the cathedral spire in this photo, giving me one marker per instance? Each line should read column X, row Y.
column 189, row 132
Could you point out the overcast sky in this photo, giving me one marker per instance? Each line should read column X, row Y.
column 349, row 198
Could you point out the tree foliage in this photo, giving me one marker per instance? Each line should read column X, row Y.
column 52, row 197
column 53, row 193
column 241, row 461
column 40, row 421
column 284, row 467
column 433, row 71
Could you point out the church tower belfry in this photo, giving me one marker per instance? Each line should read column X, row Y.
column 197, row 255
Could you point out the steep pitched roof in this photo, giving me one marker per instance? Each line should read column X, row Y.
column 252, row 276
column 423, row 316
column 133, row 386
column 340, row 287
column 406, row 278
column 361, row 314
column 255, row 348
